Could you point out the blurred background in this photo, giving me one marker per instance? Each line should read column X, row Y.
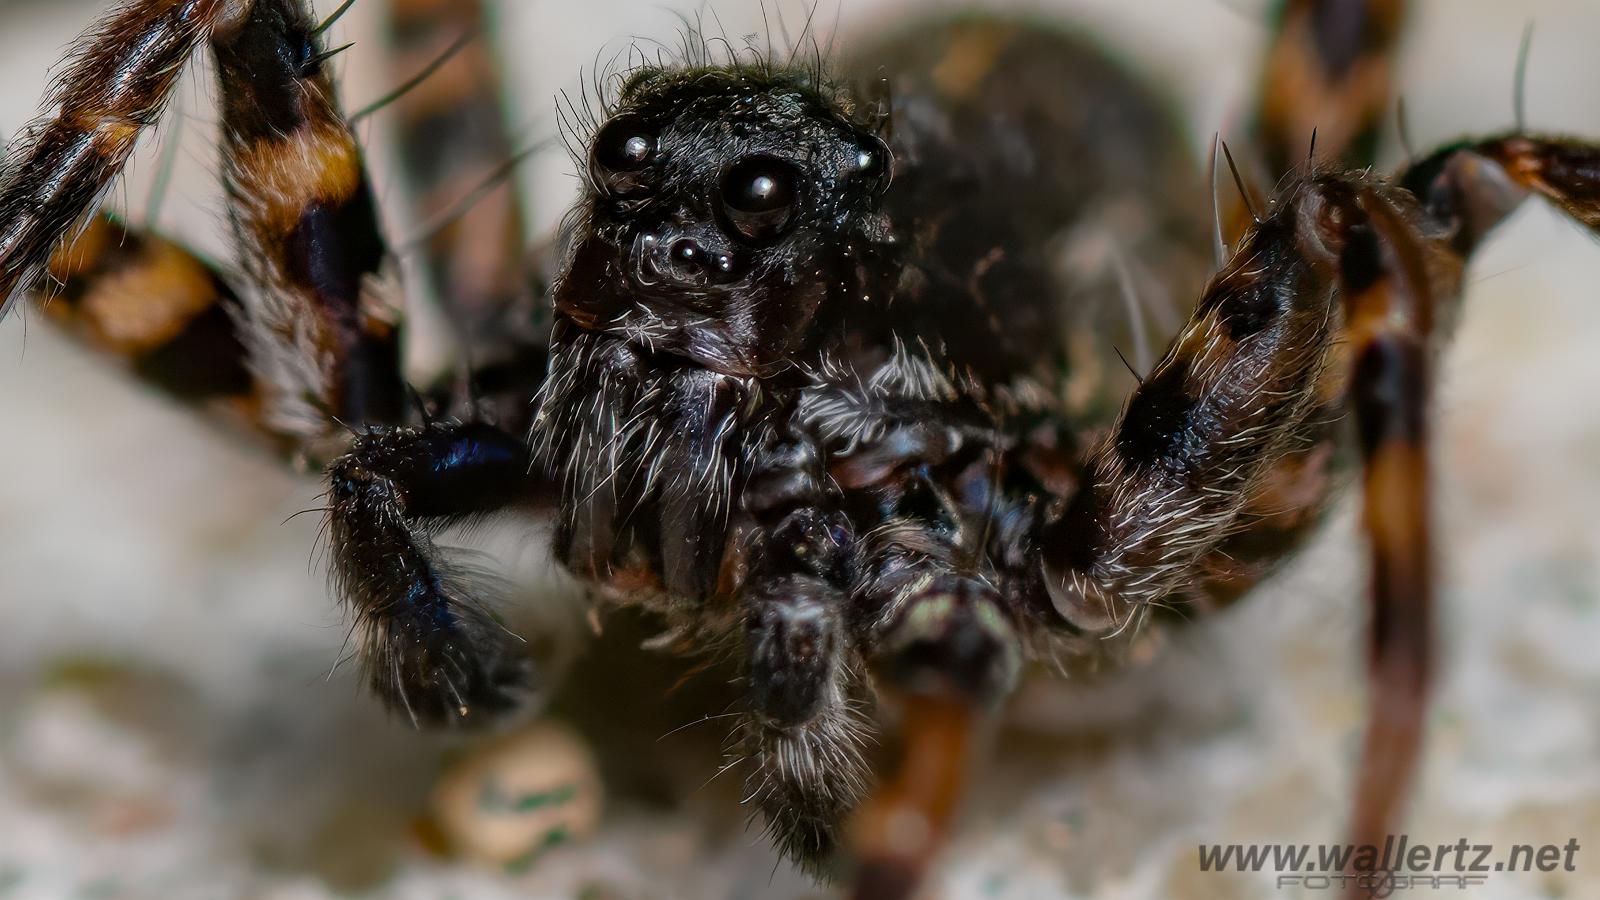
column 169, row 727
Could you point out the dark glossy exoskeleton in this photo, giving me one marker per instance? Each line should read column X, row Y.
column 826, row 376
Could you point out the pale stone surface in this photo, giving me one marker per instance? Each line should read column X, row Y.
column 167, row 729
column 519, row 794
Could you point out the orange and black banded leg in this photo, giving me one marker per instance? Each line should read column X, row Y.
column 1390, row 302
column 315, row 341
column 305, row 343
column 323, row 333
column 119, row 77
column 457, row 156
column 943, row 650
column 1467, row 190
column 1329, row 70
column 320, row 327
column 1331, row 298
column 1473, row 185
column 168, row 315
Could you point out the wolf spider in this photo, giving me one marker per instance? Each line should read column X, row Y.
column 812, row 381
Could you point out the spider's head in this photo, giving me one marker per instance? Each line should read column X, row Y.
column 728, row 210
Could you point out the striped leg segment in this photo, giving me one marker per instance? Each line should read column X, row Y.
column 1330, row 303
column 307, row 337
column 120, row 76
column 1331, row 300
column 1389, row 295
column 455, row 150
column 1473, row 185
column 146, row 300
column 1232, row 395
column 1330, row 69
column 1287, row 501
column 322, row 334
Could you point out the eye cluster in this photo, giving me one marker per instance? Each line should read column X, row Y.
column 757, row 196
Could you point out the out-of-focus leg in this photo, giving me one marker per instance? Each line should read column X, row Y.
column 457, row 154
column 1330, row 69
column 148, row 302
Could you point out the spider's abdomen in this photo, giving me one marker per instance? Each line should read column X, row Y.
column 1030, row 167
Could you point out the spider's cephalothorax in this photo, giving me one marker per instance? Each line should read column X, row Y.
column 826, row 383
column 726, row 233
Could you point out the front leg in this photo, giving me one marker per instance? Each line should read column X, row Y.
column 1246, row 382
column 429, row 640
column 1329, row 304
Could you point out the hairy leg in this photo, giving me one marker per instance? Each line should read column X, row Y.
column 1333, row 296
column 323, row 333
column 430, row 643
column 1467, row 189
column 307, row 338
column 306, row 324
column 321, row 326
column 121, row 75
column 805, row 736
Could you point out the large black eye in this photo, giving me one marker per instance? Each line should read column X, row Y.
column 621, row 152
column 759, row 195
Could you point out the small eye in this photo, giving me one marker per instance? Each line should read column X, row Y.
column 619, row 155
column 759, row 195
